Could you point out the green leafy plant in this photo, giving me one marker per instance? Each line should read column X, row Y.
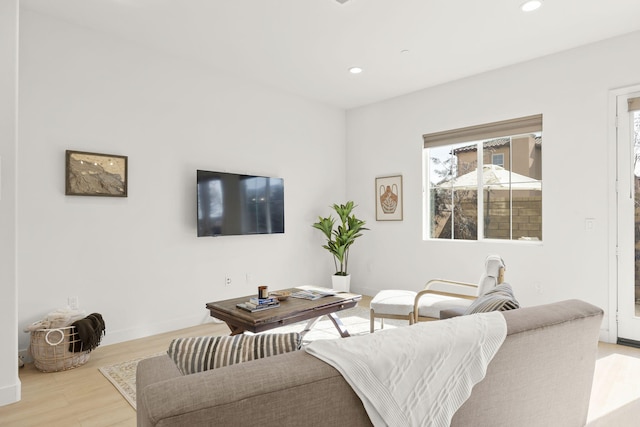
column 340, row 239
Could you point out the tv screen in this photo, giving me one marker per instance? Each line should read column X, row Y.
column 233, row 204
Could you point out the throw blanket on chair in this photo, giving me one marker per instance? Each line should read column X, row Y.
column 416, row 375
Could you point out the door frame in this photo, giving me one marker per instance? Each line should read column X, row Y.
column 612, row 178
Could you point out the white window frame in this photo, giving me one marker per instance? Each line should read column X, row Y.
column 508, row 128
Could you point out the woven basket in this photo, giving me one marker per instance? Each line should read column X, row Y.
column 50, row 349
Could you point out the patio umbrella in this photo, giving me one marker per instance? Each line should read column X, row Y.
column 494, row 177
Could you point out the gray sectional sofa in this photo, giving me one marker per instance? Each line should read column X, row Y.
column 541, row 376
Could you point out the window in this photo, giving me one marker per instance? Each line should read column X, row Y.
column 485, row 182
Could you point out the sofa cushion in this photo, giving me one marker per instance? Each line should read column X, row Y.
column 500, row 298
column 197, row 354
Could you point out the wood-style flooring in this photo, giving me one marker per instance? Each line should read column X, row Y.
column 83, row 397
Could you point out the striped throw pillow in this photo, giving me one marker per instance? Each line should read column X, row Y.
column 500, row 298
column 197, row 354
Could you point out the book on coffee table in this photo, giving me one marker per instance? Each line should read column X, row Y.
column 253, row 308
column 313, row 294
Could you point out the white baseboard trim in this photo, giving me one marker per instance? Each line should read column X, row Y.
column 115, row 337
column 364, row 291
column 10, row 394
column 118, row 336
column 606, row 334
column 605, row 337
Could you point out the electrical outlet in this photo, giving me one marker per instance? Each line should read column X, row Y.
column 538, row 287
column 589, row 224
column 227, row 280
column 73, row 303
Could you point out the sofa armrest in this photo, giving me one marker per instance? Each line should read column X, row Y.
column 151, row 371
column 273, row 388
column 543, row 371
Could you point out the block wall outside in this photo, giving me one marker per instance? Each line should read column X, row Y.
column 526, row 219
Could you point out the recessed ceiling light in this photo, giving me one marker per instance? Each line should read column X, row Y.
column 531, row 5
column 355, row 70
column 405, row 51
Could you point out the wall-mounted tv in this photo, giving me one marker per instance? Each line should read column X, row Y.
column 232, row 204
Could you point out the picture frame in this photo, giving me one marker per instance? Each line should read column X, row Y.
column 389, row 198
column 95, row 174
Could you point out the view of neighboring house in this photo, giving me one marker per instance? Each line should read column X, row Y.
column 519, row 154
column 512, row 196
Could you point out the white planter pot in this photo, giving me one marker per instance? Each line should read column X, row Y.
column 341, row 283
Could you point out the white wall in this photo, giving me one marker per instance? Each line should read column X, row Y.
column 9, row 382
column 571, row 90
column 137, row 260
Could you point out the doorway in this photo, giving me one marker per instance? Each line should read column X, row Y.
column 628, row 207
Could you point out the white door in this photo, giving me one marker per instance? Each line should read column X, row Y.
column 628, row 175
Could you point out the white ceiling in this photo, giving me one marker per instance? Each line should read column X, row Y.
column 305, row 47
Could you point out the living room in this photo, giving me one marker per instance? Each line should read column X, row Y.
column 137, row 260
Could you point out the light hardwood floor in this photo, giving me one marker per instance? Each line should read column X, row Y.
column 83, row 397
column 615, row 395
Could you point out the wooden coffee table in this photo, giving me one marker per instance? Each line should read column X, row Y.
column 292, row 310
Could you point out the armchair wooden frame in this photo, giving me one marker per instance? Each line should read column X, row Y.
column 452, row 283
column 373, row 315
column 428, row 290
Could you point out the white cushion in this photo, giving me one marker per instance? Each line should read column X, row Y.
column 431, row 304
column 485, row 284
column 489, row 278
column 392, row 301
column 493, row 264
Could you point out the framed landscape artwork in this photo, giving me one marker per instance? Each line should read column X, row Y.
column 389, row 198
column 95, row 174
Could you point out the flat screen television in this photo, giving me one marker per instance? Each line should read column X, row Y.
column 231, row 204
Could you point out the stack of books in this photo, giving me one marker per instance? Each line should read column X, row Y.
column 258, row 304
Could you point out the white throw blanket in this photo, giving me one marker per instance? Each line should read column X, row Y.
column 416, row 375
column 57, row 319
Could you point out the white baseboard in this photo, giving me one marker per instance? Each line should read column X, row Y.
column 115, row 337
column 364, row 291
column 10, row 394
column 118, row 336
column 605, row 337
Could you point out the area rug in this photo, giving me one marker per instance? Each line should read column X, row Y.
column 123, row 375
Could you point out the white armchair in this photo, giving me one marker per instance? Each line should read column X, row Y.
column 442, row 294
column 438, row 295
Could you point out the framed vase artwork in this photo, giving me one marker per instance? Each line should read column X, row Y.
column 95, row 174
column 389, row 198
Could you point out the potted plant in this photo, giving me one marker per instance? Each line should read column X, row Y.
column 340, row 239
